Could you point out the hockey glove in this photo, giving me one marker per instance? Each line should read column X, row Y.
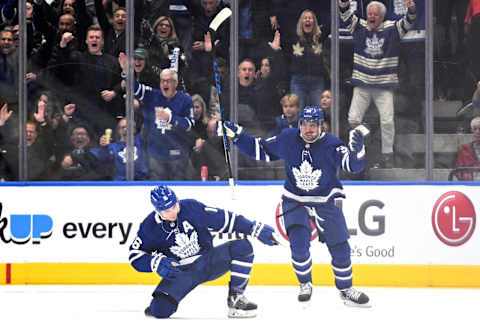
column 165, row 266
column 356, row 143
column 232, row 130
column 264, row 233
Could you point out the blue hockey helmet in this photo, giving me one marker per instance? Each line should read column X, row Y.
column 162, row 198
column 311, row 114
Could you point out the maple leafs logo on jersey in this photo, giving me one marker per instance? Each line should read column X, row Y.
column 123, row 154
column 162, row 125
column 186, row 246
column 374, row 46
column 306, row 178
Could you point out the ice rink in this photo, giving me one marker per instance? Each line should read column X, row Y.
column 115, row 308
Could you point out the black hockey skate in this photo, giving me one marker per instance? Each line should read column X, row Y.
column 354, row 298
column 240, row 307
column 148, row 312
column 305, row 292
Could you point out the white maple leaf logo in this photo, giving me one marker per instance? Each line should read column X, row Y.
column 298, row 49
column 186, row 246
column 306, row 178
column 317, row 48
column 123, row 154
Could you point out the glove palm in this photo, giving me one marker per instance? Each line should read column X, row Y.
column 356, row 143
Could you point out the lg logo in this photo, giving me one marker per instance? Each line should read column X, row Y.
column 373, row 225
column 453, row 218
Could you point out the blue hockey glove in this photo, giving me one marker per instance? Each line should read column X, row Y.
column 264, row 233
column 165, row 266
column 231, row 129
column 356, row 143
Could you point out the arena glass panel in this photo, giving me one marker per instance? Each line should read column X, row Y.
column 456, row 78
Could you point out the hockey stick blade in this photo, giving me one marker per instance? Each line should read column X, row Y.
column 223, row 15
column 276, row 238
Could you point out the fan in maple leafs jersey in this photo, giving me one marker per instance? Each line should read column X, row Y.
column 312, row 161
column 175, row 241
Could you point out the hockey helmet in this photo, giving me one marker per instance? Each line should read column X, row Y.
column 162, row 198
column 311, row 114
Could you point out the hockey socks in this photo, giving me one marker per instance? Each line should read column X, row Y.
column 299, row 238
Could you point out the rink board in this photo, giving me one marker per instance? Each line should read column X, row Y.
column 402, row 234
column 262, row 274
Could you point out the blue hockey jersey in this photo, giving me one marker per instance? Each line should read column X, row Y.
column 396, row 9
column 376, row 52
column 311, row 169
column 116, row 153
column 185, row 239
column 166, row 140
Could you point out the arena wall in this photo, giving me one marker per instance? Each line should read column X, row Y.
column 402, row 234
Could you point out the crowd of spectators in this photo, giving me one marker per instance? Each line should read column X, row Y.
column 76, row 80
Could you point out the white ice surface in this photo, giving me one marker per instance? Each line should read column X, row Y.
column 115, row 308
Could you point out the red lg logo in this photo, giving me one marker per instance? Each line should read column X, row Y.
column 453, row 218
column 281, row 225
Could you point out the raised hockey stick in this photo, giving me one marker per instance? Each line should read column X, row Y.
column 174, row 59
column 221, row 17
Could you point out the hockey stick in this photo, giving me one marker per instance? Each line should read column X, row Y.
column 221, row 17
column 174, row 59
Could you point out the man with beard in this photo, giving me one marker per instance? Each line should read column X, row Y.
column 39, row 70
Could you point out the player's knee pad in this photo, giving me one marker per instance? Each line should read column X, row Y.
column 340, row 254
column 299, row 237
column 240, row 248
column 163, row 305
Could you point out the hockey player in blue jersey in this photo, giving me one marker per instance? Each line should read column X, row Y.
column 175, row 241
column 312, row 161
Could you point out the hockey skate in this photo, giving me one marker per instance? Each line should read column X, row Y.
column 240, row 307
column 354, row 298
column 305, row 292
column 148, row 312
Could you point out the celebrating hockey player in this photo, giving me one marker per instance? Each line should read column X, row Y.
column 175, row 242
column 312, row 160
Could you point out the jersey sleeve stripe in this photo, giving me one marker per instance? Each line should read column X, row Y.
column 225, row 224
column 232, row 223
column 135, row 255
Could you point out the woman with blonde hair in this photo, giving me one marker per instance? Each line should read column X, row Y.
column 308, row 61
column 161, row 40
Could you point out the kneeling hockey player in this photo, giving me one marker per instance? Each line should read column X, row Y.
column 175, row 242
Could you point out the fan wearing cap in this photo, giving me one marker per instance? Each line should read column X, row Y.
column 313, row 159
column 176, row 242
column 142, row 68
